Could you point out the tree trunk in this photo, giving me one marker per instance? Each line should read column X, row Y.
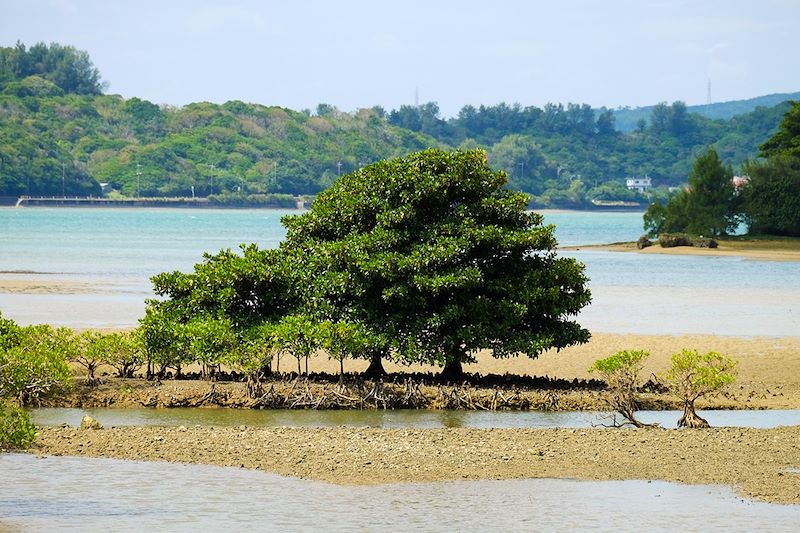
column 91, row 380
column 299, row 368
column 690, row 418
column 452, row 371
column 341, row 370
column 254, row 388
column 306, row 366
column 375, row 368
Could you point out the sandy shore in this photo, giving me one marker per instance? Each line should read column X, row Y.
column 768, row 377
column 757, row 250
column 15, row 284
column 761, row 464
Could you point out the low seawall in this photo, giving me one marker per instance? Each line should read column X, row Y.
column 81, row 201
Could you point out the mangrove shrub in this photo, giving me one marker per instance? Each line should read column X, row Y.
column 694, row 375
column 621, row 374
column 16, row 429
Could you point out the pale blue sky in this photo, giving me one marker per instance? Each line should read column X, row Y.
column 355, row 54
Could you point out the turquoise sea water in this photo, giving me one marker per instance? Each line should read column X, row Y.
column 90, row 267
column 136, row 243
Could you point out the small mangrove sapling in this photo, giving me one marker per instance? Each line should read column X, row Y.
column 621, row 373
column 694, row 375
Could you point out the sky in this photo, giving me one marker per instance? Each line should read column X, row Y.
column 356, row 54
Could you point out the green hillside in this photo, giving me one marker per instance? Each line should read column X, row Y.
column 569, row 155
column 60, row 135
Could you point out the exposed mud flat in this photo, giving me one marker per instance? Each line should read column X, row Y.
column 759, row 463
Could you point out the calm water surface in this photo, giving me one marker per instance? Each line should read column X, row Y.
column 80, row 494
column 400, row 418
column 91, row 268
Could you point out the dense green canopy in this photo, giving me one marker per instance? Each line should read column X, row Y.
column 772, row 194
column 432, row 249
column 426, row 258
column 709, row 206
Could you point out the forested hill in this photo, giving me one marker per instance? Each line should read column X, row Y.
column 569, row 155
column 59, row 133
column 628, row 118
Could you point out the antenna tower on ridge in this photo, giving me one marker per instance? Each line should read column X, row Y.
column 416, row 96
column 708, row 95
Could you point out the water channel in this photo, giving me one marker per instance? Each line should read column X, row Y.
column 400, row 418
column 79, row 494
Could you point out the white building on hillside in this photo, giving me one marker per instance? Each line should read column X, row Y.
column 640, row 185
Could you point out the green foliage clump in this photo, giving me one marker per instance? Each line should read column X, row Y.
column 35, row 364
column 621, row 373
column 253, row 356
column 121, row 350
column 772, row 196
column 785, row 141
column 772, row 193
column 769, row 201
column 709, row 206
column 16, row 429
column 434, row 252
column 65, row 67
column 205, row 340
column 424, row 259
column 694, row 375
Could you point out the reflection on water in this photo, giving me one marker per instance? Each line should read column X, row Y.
column 78, row 494
column 413, row 418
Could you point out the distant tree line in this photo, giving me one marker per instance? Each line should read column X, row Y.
column 43, row 70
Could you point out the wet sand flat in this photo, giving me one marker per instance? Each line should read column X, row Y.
column 756, row 250
column 760, row 463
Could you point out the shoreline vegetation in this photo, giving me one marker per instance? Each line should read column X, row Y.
column 768, row 378
column 758, row 463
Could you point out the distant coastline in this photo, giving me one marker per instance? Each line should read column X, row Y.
column 297, row 202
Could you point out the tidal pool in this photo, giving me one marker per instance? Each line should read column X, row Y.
column 80, row 494
column 400, row 418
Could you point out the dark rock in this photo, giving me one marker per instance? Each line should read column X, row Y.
column 667, row 240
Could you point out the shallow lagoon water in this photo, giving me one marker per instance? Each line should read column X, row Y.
column 104, row 257
column 80, row 494
column 400, row 418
